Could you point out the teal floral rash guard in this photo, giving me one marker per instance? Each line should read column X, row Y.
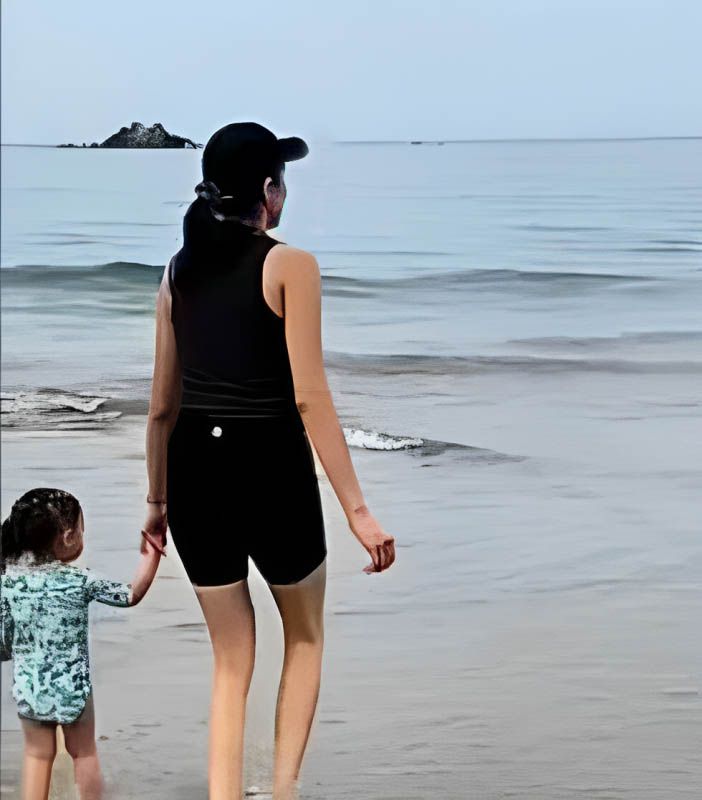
column 44, row 631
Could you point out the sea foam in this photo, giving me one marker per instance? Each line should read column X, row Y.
column 372, row 440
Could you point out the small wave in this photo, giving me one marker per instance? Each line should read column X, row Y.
column 60, row 271
column 371, row 440
column 101, row 279
column 48, row 400
column 425, row 448
column 604, row 342
column 471, row 276
column 412, row 364
column 445, row 279
column 479, row 278
column 58, row 409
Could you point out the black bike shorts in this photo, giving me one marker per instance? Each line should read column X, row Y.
column 240, row 487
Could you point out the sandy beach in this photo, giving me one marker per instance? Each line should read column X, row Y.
column 448, row 677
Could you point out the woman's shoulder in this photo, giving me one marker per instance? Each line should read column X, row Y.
column 286, row 251
column 293, row 263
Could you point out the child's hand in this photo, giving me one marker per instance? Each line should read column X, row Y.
column 151, row 553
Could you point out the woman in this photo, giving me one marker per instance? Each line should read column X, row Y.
column 238, row 386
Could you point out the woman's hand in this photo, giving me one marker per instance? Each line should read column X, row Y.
column 379, row 544
column 155, row 526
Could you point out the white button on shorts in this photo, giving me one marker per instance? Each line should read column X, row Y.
column 216, row 431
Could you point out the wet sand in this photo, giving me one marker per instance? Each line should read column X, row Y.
column 538, row 637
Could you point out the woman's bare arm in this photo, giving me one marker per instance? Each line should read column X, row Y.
column 297, row 274
column 163, row 408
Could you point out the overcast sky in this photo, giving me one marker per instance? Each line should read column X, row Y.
column 447, row 69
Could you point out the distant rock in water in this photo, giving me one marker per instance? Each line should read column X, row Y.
column 138, row 135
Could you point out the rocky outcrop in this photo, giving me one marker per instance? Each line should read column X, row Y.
column 138, row 135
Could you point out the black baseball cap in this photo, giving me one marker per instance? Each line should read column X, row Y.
column 242, row 151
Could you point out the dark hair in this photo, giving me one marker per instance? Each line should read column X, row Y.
column 239, row 195
column 36, row 519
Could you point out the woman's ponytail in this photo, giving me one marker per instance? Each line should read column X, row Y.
column 206, row 221
column 221, row 206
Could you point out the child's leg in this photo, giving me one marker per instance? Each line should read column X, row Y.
column 80, row 743
column 39, row 754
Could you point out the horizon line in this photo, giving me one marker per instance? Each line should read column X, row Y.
column 497, row 140
column 519, row 139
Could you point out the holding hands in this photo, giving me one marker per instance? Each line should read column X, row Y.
column 155, row 526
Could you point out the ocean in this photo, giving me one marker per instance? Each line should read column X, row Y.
column 513, row 336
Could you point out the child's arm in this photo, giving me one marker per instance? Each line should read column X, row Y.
column 146, row 572
column 114, row 593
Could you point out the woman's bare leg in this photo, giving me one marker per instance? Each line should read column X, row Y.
column 301, row 607
column 230, row 620
column 79, row 737
column 39, row 755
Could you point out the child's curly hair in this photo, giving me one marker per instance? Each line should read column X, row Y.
column 36, row 519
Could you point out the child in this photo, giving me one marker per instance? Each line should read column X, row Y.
column 44, row 629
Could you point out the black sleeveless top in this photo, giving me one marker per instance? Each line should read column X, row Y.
column 231, row 344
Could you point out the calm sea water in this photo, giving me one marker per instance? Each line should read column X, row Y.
column 451, row 260
column 522, row 321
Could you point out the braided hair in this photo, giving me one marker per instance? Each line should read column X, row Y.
column 36, row 519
